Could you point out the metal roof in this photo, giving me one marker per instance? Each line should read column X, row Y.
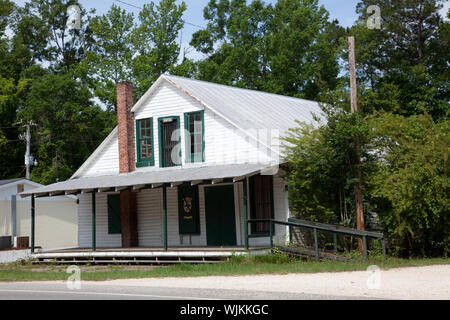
column 249, row 109
column 3, row 182
column 156, row 177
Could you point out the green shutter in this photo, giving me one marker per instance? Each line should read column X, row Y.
column 188, row 209
column 114, row 225
column 144, row 162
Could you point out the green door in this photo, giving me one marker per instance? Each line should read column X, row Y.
column 220, row 216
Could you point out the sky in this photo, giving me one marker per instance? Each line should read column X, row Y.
column 343, row 10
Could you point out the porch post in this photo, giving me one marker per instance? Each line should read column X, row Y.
column 32, row 223
column 245, row 215
column 94, row 242
column 165, row 217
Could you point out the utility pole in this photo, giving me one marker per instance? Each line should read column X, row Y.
column 27, row 152
column 28, row 159
column 354, row 108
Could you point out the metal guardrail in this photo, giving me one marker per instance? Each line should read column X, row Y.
column 316, row 227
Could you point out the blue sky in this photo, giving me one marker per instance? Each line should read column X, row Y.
column 343, row 10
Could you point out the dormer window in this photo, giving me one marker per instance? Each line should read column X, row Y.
column 144, row 143
column 195, row 140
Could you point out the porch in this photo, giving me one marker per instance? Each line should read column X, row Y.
column 152, row 256
column 169, row 224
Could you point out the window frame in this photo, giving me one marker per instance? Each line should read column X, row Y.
column 144, row 162
column 253, row 207
column 160, row 142
column 190, row 158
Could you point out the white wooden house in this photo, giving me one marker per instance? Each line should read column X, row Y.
column 187, row 166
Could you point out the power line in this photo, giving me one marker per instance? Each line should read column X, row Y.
column 128, row 4
column 140, row 8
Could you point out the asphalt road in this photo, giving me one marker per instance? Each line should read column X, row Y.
column 60, row 291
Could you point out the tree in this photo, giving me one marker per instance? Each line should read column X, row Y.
column 282, row 49
column 155, row 42
column 43, row 24
column 14, row 59
column 411, row 185
column 321, row 170
column 404, row 65
column 111, row 57
column 69, row 126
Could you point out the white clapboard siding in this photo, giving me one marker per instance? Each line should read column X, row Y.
column 149, row 203
column 149, row 212
column 224, row 144
column 107, row 161
column 103, row 239
column 167, row 101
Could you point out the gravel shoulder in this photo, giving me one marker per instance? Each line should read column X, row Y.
column 422, row 283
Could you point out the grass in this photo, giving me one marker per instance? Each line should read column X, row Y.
column 272, row 264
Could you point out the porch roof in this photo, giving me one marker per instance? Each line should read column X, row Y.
column 154, row 178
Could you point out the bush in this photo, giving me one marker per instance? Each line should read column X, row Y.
column 411, row 186
column 405, row 176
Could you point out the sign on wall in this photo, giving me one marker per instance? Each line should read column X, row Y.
column 188, row 209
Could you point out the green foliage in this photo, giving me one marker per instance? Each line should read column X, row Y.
column 412, row 186
column 282, row 49
column 111, row 59
column 403, row 67
column 69, row 126
column 155, row 41
column 322, row 166
column 405, row 175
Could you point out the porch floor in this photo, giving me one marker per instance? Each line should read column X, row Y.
column 148, row 255
column 159, row 249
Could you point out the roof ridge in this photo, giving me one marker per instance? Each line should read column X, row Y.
column 239, row 88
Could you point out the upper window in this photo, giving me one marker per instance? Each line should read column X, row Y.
column 144, row 142
column 195, row 143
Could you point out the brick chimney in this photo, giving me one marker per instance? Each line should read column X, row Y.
column 125, row 123
column 127, row 163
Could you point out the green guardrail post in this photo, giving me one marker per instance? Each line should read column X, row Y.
column 271, row 234
column 316, row 244
column 365, row 247
column 290, row 234
column 383, row 247
column 335, row 242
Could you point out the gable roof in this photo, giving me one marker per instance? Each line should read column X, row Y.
column 12, row 182
column 243, row 108
column 8, row 181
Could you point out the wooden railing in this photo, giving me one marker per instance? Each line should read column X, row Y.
column 323, row 227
